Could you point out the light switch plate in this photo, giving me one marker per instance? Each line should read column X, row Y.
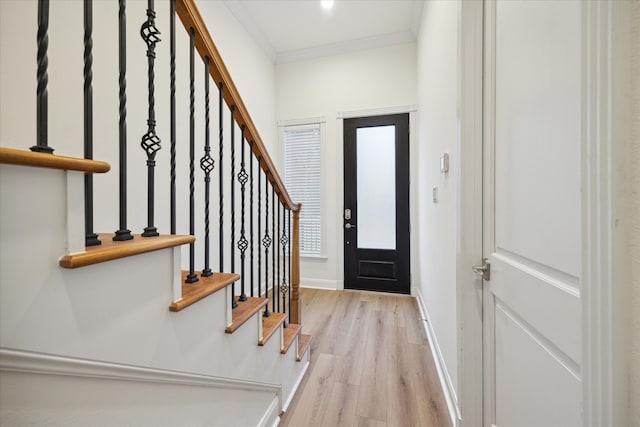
column 444, row 163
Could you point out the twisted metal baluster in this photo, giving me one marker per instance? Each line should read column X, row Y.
column 289, row 269
column 191, row 276
column 172, row 96
column 251, row 213
column 276, row 295
column 207, row 165
column 259, row 226
column 122, row 233
column 233, row 203
column 91, row 239
column 243, row 243
column 221, row 177
column 284, row 240
column 234, row 304
column 266, row 242
column 42, row 95
column 150, row 141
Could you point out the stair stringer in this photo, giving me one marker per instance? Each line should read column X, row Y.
column 114, row 312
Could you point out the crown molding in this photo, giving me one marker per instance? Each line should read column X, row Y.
column 240, row 12
column 345, row 47
column 251, row 27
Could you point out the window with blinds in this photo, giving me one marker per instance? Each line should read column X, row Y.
column 302, row 179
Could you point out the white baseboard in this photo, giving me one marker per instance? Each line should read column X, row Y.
column 318, row 283
column 289, row 398
column 271, row 417
column 449, row 391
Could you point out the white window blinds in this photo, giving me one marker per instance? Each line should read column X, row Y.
column 302, row 179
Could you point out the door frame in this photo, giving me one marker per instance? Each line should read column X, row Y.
column 413, row 177
column 605, row 144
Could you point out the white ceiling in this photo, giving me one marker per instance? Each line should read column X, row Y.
column 289, row 30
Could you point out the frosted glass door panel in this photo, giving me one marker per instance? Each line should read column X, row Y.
column 376, row 187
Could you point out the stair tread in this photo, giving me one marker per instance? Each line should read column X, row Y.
column 270, row 325
column 304, row 341
column 110, row 250
column 205, row 286
column 244, row 311
column 290, row 333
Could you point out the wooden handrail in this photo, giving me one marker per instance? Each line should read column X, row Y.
column 190, row 16
column 52, row 161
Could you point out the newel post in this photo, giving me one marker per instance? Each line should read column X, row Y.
column 296, row 302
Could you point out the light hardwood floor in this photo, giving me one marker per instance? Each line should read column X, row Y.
column 370, row 364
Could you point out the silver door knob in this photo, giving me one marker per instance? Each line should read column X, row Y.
column 349, row 226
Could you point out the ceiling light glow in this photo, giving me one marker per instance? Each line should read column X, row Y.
column 327, row 4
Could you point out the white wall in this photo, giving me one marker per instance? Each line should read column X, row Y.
column 634, row 215
column 251, row 70
column 438, row 133
column 325, row 87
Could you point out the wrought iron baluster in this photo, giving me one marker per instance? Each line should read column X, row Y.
column 192, row 277
column 207, row 165
column 266, row 242
column 123, row 233
column 251, row 214
column 221, row 177
column 233, row 204
column 150, row 141
column 274, row 293
column 284, row 240
column 172, row 100
column 243, row 244
column 259, row 226
column 289, row 269
column 91, row 239
column 42, row 95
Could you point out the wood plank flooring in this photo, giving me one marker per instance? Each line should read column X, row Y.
column 370, row 364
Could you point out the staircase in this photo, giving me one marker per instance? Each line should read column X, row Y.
column 120, row 328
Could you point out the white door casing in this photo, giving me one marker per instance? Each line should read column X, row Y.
column 532, row 213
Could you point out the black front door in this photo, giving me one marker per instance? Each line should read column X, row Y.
column 376, row 203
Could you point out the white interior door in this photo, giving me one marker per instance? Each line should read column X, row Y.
column 532, row 213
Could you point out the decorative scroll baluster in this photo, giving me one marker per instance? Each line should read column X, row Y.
column 206, row 164
column 284, row 240
column 172, row 97
column 274, row 293
column 251, row 212
column 192, row 277
column 233, row 204
column 243, row 244
column 259, row 226
column 123, row 233
column 42, row 96
column 150, row 141
column 91, row 239
column 266, row 242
